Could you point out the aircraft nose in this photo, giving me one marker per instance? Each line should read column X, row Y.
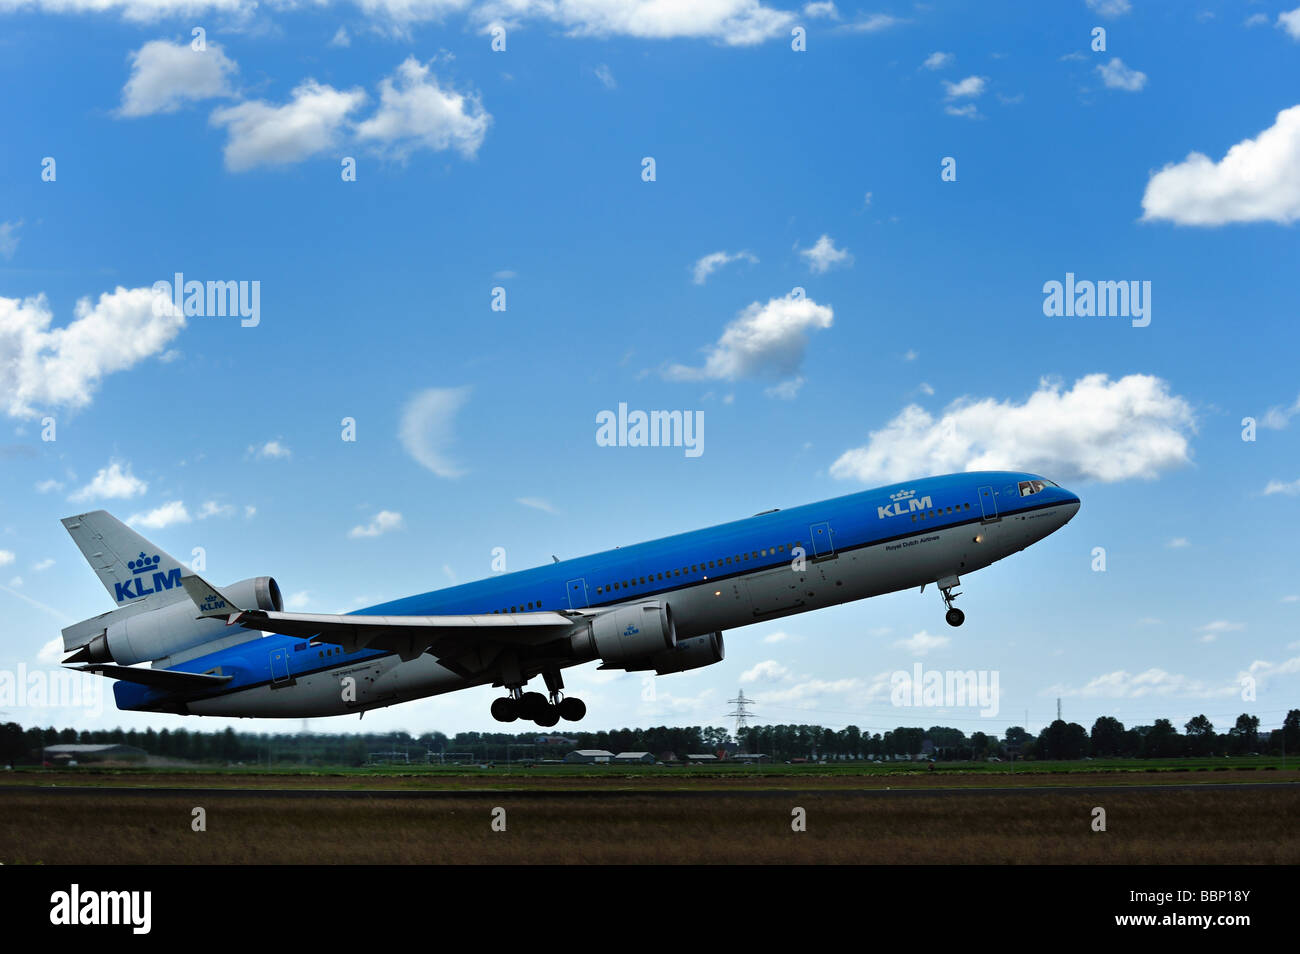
column 1072, row 504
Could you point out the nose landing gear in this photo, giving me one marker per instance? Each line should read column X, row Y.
column 954, row 616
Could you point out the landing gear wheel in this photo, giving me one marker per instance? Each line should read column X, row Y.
column 572, row 709
column 530, row 704
column 504, row 709
column 547, row 717
column 955, row 617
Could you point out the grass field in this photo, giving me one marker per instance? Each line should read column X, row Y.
column 868, row 814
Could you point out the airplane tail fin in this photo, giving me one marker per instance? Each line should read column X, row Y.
column 137, row 574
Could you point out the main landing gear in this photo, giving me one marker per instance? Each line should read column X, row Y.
column 536, row 707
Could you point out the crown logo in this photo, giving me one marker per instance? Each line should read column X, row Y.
column 903, row 495
column 144, row 564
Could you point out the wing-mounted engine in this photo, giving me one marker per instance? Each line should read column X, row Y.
column 170, row 629
column 626, row 635
column 693, row 653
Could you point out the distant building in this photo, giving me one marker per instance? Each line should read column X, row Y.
column 589, row 756
column 645, row 758
column 555, row 740
column 701, row 758
column 70, row 752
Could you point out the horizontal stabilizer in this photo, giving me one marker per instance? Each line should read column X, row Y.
column 171, row 680
column 209, row 600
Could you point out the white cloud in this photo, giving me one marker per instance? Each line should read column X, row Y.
column 1290, row 22
column 299, row 600
column 537, row 503
column 1222, row 626
column 1122, row 684
column 937, row 60
column 6, row 557
column 786, row 390
column 9, row 238
column 1118, row 76
column 1277, row 418
column 1257, row 181
column 822, row 9
column 767, row 671
column 165, row 75
column 43, row 565
column 708, row 264
column 969, row 111
column 778, row 637
column 415, row 111
column 824, row 256
column 426, row 429
column 49, row 367
column 271, row 450
column 1178, row 543
column 1110, row 8
column 871, row 23
column 919, row 644
column 1278, row 487
column 211, row 508
column 762, row 340
column 341, row 38
column 49, row 486
column 168, row 514
column 606, row 76
column 260, row 133
column 114, row 482
column 968, row 88
column 16, row 582
column 732, row 22
column 1257, row 19
column 1099, row 429
column 383, row 522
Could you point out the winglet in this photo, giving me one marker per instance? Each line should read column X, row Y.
column 209, row 600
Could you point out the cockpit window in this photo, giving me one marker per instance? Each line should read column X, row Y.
column 1029, row 487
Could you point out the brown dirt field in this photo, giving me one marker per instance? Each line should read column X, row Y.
column 1247, row 826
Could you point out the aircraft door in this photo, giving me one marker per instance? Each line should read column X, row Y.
column 279, row 667
column 988, row 505
column 822, row 545
column 577, row 590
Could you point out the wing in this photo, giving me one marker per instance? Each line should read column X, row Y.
column 169, row 679
column 453, row 639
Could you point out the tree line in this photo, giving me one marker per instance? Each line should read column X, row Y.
column 1108, row 738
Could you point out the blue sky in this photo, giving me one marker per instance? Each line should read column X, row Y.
column 919, row 346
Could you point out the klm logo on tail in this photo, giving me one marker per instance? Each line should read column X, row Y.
column 139, row 568
column 896, row 509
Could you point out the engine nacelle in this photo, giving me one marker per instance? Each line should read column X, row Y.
column 693, row 653
column 628, row 634
column 174, row 627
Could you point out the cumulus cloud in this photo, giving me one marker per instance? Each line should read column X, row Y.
column 260, row 133
column 821, row 9
column 1257, row 181
column 427, row 428
column 6, row 557
column 1277, row 418
column 165, row 75
column 1279, row 487
column 416, row 111
column 384, row 522
column 763, row 340
column 1099, row 429
column 168, row 514
column 708, row 264
column 49, row 367
column 969, row 88
column 769, row 670
column 731, row 22
column 921, row 643
column 824, row 256
column 937, row 60
column 1122, row 684
column 1289, row 22
column 536, row 503
column 114, row 482
column 1118, row 76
